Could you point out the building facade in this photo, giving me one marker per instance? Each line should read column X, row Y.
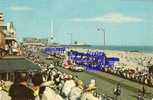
column 2, row 39
column 35, row 41
column 8, row 36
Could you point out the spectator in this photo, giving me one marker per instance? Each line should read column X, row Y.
column 19, row 90
column 77, row 91
column 43, row 89
column 117, row 91
column 68, row 85
column 139, row 96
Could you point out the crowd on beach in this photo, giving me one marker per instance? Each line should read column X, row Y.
column 132, row 75
column 134, row 66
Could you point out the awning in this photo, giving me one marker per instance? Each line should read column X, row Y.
column 17, row 64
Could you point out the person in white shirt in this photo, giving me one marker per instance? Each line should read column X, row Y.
column 77, row 91
column 4, row 95
column 68, row 85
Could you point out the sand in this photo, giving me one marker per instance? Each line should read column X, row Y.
column 128, row 60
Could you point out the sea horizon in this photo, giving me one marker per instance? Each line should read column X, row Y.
column 146, row 49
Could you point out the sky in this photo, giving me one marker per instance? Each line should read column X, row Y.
column 125, row 22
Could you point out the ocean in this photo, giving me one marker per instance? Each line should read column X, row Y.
column 148, row 49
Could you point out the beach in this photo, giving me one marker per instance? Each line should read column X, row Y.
column 132, row 60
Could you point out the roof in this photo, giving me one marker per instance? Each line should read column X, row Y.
column 17, row 64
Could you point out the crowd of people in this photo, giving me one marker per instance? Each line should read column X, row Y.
column 134, row 66
column 51, row 84
column 140, row 77
column 120, row 69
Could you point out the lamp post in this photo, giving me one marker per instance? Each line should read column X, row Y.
column 102, row 29
column 70, row 38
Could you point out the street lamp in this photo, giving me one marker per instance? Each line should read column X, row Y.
column 70, row 38
column 102, row 29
